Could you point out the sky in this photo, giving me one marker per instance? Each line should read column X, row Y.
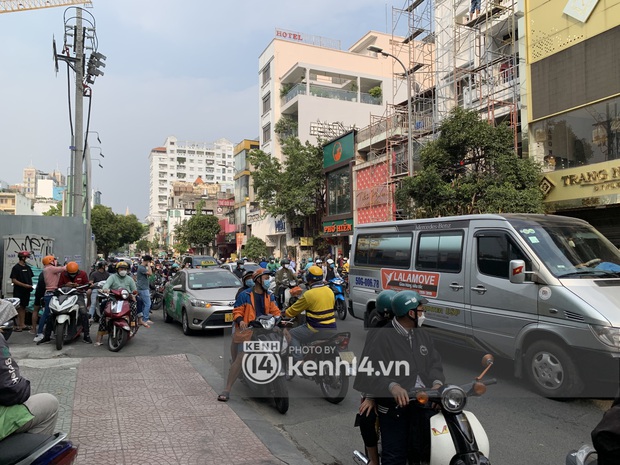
column 187, row 68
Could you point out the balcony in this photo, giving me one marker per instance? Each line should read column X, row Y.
column 330, row 93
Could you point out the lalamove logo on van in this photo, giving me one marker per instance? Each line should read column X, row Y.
column 424, row 283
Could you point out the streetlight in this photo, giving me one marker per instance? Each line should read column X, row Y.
column 98, row 160
column 379, row 50
column 100, row 150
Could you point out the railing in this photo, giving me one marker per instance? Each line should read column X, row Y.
column 331, row 93
column 298, row 89
column 421, row 124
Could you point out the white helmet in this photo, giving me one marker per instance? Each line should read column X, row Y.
column 330, row 261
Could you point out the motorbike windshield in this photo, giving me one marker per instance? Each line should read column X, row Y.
column 571, row 250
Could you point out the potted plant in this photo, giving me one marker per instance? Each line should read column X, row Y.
column 375, row 92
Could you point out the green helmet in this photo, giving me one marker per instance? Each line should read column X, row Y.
column 404, row 301
column 384, row 301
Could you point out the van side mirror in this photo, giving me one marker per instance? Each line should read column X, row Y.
column 516, row 271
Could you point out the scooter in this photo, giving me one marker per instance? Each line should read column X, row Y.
column 8, row 314
column 292, row 293
column 39, row 449
column 263, row 371
column 457, row 437
column 323, row 354
column 157, row 294
column 64, row 309
column 122, row 325
column 337, row 287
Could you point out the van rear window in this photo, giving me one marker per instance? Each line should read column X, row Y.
column 440, row 251
column 393, row 250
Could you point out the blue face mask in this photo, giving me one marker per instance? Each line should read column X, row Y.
column 266, row 284
column 249, row 283
column 331, row 266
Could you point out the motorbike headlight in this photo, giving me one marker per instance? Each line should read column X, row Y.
column 453, row 399
column 608, row 335
column 200, row 303
column 268, row 323
column 125, row 294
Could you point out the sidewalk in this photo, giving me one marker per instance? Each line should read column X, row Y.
column 151, row 410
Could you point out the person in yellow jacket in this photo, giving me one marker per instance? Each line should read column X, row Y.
column 250, row 304
column 318, row 302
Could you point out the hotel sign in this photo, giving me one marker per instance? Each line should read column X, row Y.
column 595, row 180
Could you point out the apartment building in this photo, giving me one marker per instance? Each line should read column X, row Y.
column 15, row 203
column 185, row 161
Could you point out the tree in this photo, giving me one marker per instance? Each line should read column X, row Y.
column 471, row 168
column 255, row 248
column 294, row 189
column 55, row 210
column 143, row 246
column 112, row 230
column 200, row 230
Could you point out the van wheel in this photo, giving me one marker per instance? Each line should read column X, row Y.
column 551, row 371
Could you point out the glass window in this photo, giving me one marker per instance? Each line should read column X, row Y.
column 266, row 73
column 393, row 250
column 267, row 133
column 339, row 192
column 266, row 103
column 495, row 250
column 441, row 251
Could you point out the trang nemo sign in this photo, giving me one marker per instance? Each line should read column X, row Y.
column 598, row 179
column 595, row 180
column 422, row 282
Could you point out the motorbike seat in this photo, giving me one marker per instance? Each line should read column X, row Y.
column 17, row 447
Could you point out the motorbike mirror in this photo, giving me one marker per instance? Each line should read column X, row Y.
column 487, row 360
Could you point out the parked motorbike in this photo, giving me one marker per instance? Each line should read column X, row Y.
column 157, row 293
column 64, row 309
column 337, row 287
column 121, row 324
column 8, row 314
column 457, row 437
column 38, row 449
column 267, row 328
column 326, row 353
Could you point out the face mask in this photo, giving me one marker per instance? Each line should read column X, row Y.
column 249, row 283
column 122, row 273
column 266, row 284
column 331, row 266
column 421, row 319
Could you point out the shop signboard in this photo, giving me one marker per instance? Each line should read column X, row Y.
column 338, row 228
column 339, row 150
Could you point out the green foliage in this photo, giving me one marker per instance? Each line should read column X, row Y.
column 55, row 210
column 199, row 231
column 112, row 230
column 286, row 88
column 143, row 246
column 375, row 92
column 471, row 168
column 286, row 127
column 254, row 249
column 294, row 189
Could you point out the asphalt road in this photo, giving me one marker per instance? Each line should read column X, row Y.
column 522, row 426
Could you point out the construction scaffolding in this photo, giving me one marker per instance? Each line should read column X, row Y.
column 477, row 61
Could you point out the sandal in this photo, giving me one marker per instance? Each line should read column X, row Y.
column 17, row 330
column 224, row 396
column 97, row 344
column 146, row 325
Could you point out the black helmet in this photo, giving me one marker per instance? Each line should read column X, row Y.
column 284, row 261
column 239, row 262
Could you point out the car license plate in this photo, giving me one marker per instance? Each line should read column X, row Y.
column 228, row 317
column 347, row 356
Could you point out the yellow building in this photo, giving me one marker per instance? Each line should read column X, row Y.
column 573, row 67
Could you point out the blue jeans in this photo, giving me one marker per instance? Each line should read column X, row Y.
column 93, row 302
column 144, row 304
column 46, row 312
column 475, row 6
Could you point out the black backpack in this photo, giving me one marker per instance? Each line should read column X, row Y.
column 606, row 436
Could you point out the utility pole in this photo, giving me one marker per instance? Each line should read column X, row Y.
column 78, row 146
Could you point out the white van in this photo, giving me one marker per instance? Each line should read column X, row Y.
column 541, row 290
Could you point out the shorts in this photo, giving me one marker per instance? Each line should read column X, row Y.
column 24, row 300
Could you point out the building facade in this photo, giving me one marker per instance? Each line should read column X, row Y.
column 573, row 69
column 15, row 203
column 185, row 161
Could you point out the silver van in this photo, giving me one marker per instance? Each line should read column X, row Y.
column 541, row 290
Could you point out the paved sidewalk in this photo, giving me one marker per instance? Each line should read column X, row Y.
column 149, row 410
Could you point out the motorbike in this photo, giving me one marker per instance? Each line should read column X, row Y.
column 457, row 437
column 157, row 293
column 38, row 449
column 8, row 314
column 267, row 329
column 337, row 287
column 329, row 352
column 64, row 309
column 121, row 324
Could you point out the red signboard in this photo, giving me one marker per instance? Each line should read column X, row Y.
column 226, row 202
column 422, row 282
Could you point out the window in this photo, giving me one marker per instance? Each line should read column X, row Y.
column 441, row 251
column 495, row 250
column 393, row 250
column 266, row 74
column 267, row 133
column 339, row 192
column 266, row 103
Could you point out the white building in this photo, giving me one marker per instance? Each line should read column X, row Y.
column 185, row 161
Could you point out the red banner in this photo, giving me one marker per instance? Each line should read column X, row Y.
column 422, row 282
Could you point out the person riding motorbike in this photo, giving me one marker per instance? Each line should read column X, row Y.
column 318, row 302
column 345, row 265
column 251, row 303
column 331, row 271
column 73, row 277
column 272, row 266
column 21, row 412
column 405, row 429
column 120, row 280
column 239, row 270
column 247, row 283
column 283, row 276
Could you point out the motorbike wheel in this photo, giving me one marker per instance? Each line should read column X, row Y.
column 280, row 395
column 117, row 339
column 61, row 330
column 156, row 302
column 335, row 388
column 341, row 309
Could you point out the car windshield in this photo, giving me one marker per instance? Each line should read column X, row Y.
column 571, row 250
column 212, row 280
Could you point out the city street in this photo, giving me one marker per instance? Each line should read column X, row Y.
column 522, row 426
